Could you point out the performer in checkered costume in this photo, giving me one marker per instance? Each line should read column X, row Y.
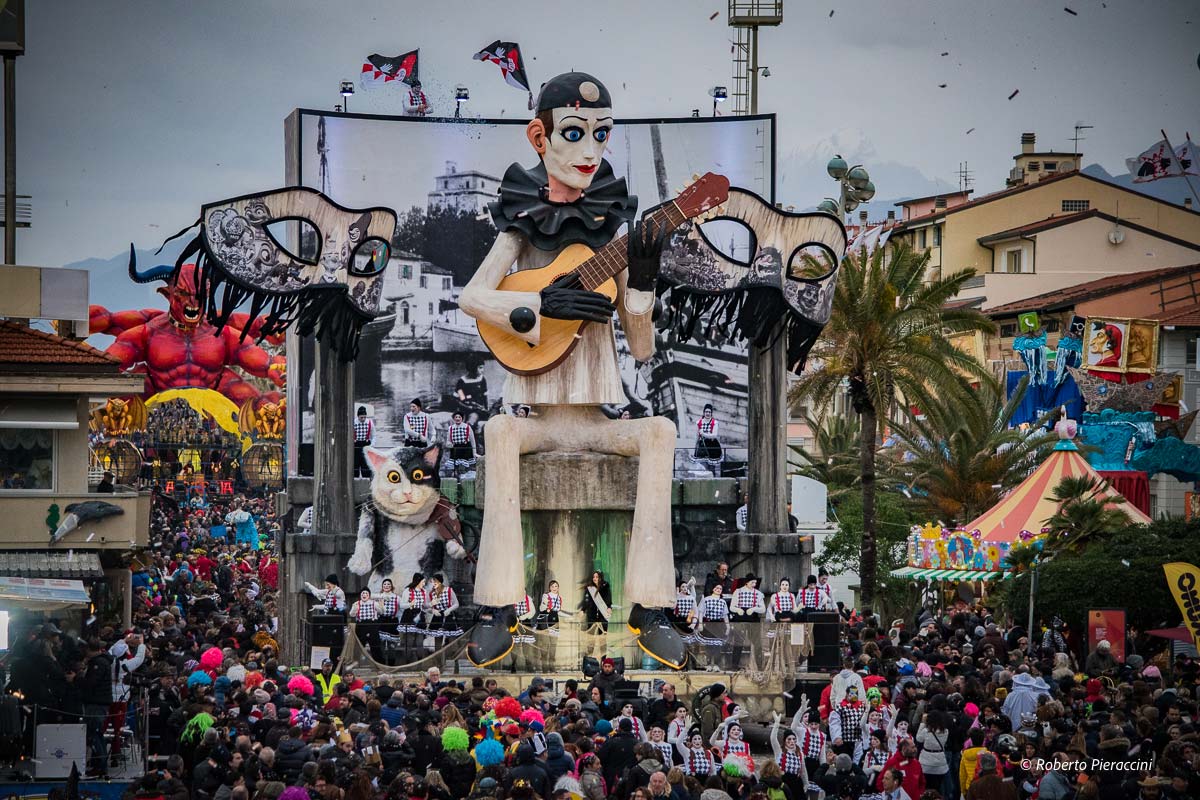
column 825, row 601
column 364, row 435
column 696, row 759
column 461, row 441
column 364, row 614
column 389, row 603
column 810, row 595
column 845, row 722
column 685, row 604
column 708, row 441
column 728, row 738
column 782, row 605
column 748, row 603
column 712, row 616
column 658, row 740
column 812, row 741
column 416, row 425
column 440, row 608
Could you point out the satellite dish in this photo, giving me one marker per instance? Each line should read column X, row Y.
column 1116, row 236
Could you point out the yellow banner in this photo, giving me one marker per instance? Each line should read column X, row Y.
column 1184, row 582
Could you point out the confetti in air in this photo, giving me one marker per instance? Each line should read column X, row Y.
column 714, row 16
column 969, row 130
column 1069, row 11
column 1014, row 94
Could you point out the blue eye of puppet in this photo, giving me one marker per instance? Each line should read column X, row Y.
column 572, row 134
column 601, row 134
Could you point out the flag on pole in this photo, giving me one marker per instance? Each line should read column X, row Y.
column 507, row 56
column 1183, row 581
column 380, row 70
column 1188, row 157
column 1157, row 162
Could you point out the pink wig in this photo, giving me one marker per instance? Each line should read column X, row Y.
column 300, row 685
column 532, row 715
column 212, row 659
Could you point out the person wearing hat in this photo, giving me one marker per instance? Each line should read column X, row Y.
column 572, row 197
column 809, row 597
column 327, row 680
column 106, row 483
column 617, row 754
column 708, row 449
column 332, row 597
column 416, row 425
column 416, row 104
column 364, row 435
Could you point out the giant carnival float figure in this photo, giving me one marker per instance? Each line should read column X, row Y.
column 178, row 348
column 550, row 324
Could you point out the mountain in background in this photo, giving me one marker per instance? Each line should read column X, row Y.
column 803, row 181
column 109, row 284
column 1170, row 190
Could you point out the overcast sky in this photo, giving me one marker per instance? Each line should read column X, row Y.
column 133, row 114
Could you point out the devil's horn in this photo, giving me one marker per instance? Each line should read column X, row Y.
column 159, row 273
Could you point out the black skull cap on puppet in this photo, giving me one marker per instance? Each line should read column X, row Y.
column 599, row 212
column 573, row 90
column 711, row 294
column 331, row 293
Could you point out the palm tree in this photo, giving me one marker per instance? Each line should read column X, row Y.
column 961, row 459
column 833, row 459
column 1085, row 511
column 887, row 341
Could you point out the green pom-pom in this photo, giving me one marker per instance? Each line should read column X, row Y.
column 455, row 738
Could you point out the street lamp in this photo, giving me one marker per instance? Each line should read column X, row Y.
column 1033, row 586
column 855, row 185
column 346, row 90
column 461, row 95
column 719, row 95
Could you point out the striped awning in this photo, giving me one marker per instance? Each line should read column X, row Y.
column 917, row 573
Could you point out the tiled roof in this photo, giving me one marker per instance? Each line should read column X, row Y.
column 20, row 344
column 50, row 564
column 1182, row 318
column 1072, row 295
column 947, row 194
column 1061, row 176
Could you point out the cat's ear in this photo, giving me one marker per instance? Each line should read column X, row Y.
column 375, row 458
column 432, row 456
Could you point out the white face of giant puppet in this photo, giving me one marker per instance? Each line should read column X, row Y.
column 572, row 151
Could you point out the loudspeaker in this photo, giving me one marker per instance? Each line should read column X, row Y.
column 327, row 629
column 827, row 653
column 810, row 689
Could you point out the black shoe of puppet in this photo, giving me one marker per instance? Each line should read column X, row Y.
column 657, row 637
column 492, row 636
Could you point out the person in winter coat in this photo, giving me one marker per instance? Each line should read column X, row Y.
column 395, row 754
column 393, row 712
column 617, row 754
column 456, row 764
column 905, row 760
column 970, row 758
column 97, row 697
column 591, row 778
column 1056, row 784
column 529, row 769
column 639, row 774
column 933, row 736
column 558, row 763
column 427, row 747
column 291, row 754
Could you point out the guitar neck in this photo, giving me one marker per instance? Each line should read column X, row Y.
column 611, row 259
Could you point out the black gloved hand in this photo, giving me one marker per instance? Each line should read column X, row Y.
column 567, row 299
column 644, row 251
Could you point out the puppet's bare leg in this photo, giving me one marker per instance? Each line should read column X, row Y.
column 649, row 561
column 500, row 579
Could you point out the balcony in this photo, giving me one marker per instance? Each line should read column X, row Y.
column 27, row 518
column 744, row 13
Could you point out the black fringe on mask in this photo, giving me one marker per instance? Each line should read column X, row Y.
column 324, row 312
column 758, row 316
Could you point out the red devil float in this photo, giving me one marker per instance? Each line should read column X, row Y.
column 178, row 348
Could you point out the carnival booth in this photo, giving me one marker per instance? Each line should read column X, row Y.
column 979, row 550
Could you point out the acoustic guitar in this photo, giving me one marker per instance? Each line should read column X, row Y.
column 595, row 269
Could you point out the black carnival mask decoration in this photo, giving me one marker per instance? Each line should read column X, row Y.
column 331, row 290
column 710, row 295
